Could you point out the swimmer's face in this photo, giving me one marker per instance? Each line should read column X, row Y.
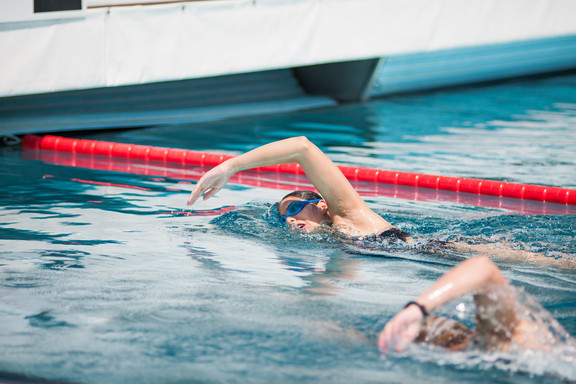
column 309, row 219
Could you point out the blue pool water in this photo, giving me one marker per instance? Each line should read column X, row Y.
column 101, row 283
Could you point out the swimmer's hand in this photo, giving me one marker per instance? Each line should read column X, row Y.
column 212, row 182
column 403, row 329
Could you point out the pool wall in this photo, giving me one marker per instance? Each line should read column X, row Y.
column 341, row 50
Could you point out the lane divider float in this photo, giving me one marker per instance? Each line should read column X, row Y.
column 189, row 157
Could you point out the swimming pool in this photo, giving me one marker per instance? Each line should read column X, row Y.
column 101, row 283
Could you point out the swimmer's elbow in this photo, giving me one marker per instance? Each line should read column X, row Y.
column 490, row 270
column 302, row 142
column 303, row 146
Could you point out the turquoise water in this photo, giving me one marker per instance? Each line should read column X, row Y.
column 102, row 283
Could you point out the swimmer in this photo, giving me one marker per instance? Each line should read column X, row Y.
column 337, row 206
column 503, row 323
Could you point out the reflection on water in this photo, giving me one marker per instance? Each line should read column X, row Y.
column 104, row 278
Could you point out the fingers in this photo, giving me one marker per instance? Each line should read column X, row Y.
column 392, row 338
column 200, row 189
column 211, row 193
column 385, row 339
column 383, row 343
column 400, row 331
column 191, row 199
column 210, row 183
column 196, row 193
column 401, row 343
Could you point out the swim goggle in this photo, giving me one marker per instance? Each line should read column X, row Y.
column 295, row 207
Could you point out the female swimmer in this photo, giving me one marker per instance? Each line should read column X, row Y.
column 338, row 205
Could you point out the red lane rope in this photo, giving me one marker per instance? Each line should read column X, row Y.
column 420, row 180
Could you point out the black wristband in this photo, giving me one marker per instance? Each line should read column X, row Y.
column 420, row 307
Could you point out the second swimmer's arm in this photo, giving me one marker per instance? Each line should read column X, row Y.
column 505, row 252
column 471, row 276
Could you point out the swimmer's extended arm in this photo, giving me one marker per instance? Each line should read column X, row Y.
column 343, row 201
column 476, row 275
column 505, row 252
